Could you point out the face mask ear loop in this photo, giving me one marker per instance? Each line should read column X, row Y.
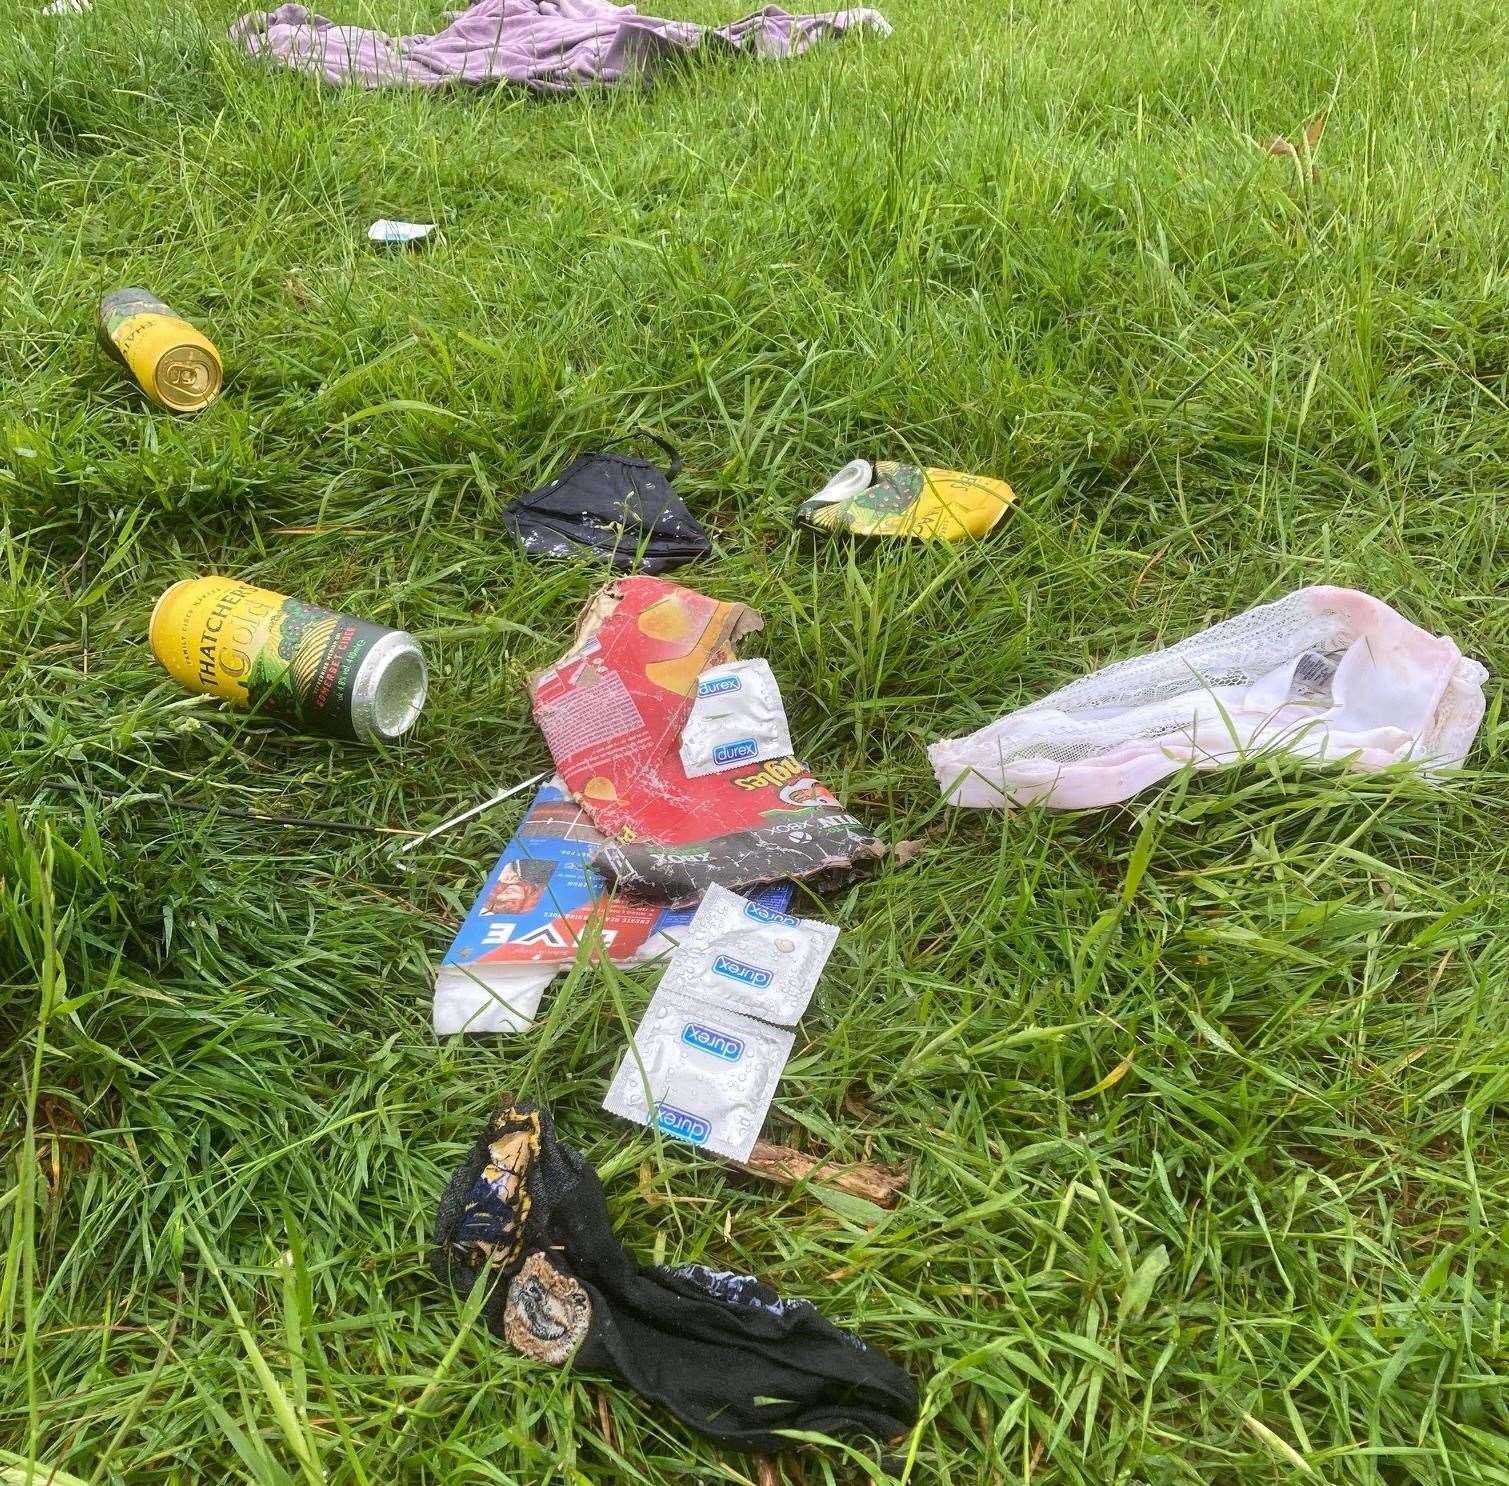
column 854, row 477
column 644, row 433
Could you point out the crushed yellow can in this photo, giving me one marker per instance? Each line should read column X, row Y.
column 907, row 500
column 176, row 366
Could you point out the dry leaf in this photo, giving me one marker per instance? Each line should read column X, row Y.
column 905, row 851
column 1147, row 568
column 61, row 1146
column 1278, row 145
column 1413, row 1056
column 1114, row 1077
column 1277, row 1444
column 779, row 1163
column 856, row 1104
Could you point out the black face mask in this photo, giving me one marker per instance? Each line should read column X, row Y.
column 525, row 1214
column 619, row 509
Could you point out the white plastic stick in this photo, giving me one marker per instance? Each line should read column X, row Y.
column 465, row 815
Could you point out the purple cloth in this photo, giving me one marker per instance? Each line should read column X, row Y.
column 550, row 46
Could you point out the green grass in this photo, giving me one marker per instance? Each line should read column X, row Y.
column 1035, row 240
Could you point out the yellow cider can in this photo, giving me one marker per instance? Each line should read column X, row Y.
column 321, row 670
column 176, row 366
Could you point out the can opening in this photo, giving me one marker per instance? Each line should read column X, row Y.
column 400, row 695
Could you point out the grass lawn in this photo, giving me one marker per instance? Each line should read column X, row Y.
column 1204, row 1097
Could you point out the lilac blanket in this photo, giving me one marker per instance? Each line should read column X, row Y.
column 550, row 46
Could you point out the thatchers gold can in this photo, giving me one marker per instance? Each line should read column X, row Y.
column 175, row 365
column 324, row 671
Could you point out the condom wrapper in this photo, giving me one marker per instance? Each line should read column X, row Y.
column 746, row 958
column 737, row 718
column 700, row 1073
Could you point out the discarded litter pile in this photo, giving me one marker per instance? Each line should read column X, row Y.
column 525, row 1215
column 540, row 902
column 612, row 711
column 548, row 46
column 676, row 783
column 1327, row 674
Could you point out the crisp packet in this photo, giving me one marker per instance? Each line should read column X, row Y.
column 749, row 958
column 711, row 1075
column 737, row 717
